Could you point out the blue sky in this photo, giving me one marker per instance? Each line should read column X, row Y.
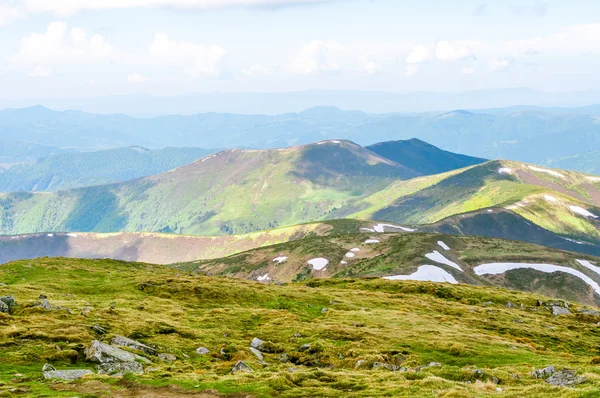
column 73, row 48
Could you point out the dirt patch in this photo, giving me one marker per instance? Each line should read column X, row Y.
column 532, row 179
column 125, row 389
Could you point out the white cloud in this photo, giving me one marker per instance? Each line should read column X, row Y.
column 70, row 7
column 446, row 51
column 419, row 55
column 258, row 71
column 59, row 45
column 137, row 78
column 92, row 82
column 572, row 40
column 9, row 14
column 499, row 63
column 39, row 71
column 317, row 57
column 197, row 60
column 367, row 66
column 468, row 70
column 412, row 69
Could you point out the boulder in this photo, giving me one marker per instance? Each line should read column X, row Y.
column 284, row 358
column 104, row 353
column 258, row 344
column 587, row 311
column 241, row 366
column 387, row 366
column 122, row 341
column 557, row 310
column 544, row 373
column 7, row 303
column 71, row 374
column 304, row 347
column 565, row 377
column 167, row 357
column 47, row 368
column 4, row 308
column 45, row 304
column 120, row 368
column 511, row 305
column 202, row 351
column 258, row 354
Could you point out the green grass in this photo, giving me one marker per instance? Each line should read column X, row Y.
column 404, row 323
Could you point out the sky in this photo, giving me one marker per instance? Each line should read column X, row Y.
column 87, row 48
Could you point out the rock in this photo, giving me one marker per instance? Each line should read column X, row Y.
column 46, row 304
column 7, row 303
column 2, row 284
column 258, row 354
column 120, row 368
column 104, row 353
column 565, row 377
column 297, row 335
column 434, row 364
column 478, row 373
column 47, row 368
column 387, row 366
column 167, row 357
column 86, row 310
column 304, row 347
column 511, row 305
column 241, row 366
column 360, row 363
column 99, row 329
column 129, row 343
column 71, row 374
column 284, row 358
column 202, row 351
column 258, row 344
column 544, row 373
column 324, row 310
column 556, row 310
column 587, row 311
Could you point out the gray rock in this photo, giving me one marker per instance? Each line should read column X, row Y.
column 8, row 303
column 99, row 329
column 387, row 366
column 324, row 310
column 47, row 368
column 167, row 357
column 434, row 364
column 258, row 354
column 284, row 358
column 565, row 377
column 241, row 366
column 304, row 347
column 556, row 310
column 511, row 305
column 544, row 373
column 4, row 308
column 122, row 341
column 120, row 368
column 104, row 353
column 297, row 335
column 258, row 344
column 71, row 374
column 202, row 351
column 86, row 310
column 46, row 304
column 587, row 311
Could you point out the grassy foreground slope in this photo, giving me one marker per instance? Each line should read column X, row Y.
column 339, row 337
column 393, row 254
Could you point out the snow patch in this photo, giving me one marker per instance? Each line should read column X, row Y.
column 371, row 241
column 367, row 230
column 280, row 259
column 595, row 179
column 318, row 264
column 551, row 172
column 264, row 278
column 50, row 235
column 501, row 268
column 443, row 245
column 504, row 170
column 589, row 266
column 381, row 228
column 438, row 258
column 355, row 250
column 550, row 198
column 344, row 262
column 582, row 211
column 350, row 255
column 428, row 273
column 73, row 235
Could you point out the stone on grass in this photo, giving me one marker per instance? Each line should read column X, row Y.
column 587, row 311
column 47, row 368
column 129, row 343
column 120, row 368
column 7, row 303
column 304, row 347
column 104, row 353
column 202, row 351
column 258, row 354
column 557, row 310
column 258, row 344
column 284, row 358
column 71, row 374
column 565, row 378
column 167, row 357
column 511, row 305
column 544, row 373
column 241, row 366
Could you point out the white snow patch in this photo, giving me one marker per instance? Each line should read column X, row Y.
column 264, row 278
column 381, row 228
column 551, row 172
column 371, row 241
column 500, row 268
column 355, row 250
column 428, row 273
column 443, row 245
column 280, row 259
column 550, row 198
column 318, row 264
column 504, row 170
column 350, row 255
column 582, row 211
column 490, row 211
column 595, row 179
column 344, row 262
column 575, row 241
column 73, row 235
column 207, row 158
column 438, row 258
column 50, row 235
column 589, row 266
column 367, row 230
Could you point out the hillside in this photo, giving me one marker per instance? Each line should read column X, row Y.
column 423, row 157
column 415, row 255
column 80, row 169
column 334, row 338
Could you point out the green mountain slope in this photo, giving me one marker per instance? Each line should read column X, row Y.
column 359, row 338
column 404, row 254
column 80, row 169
